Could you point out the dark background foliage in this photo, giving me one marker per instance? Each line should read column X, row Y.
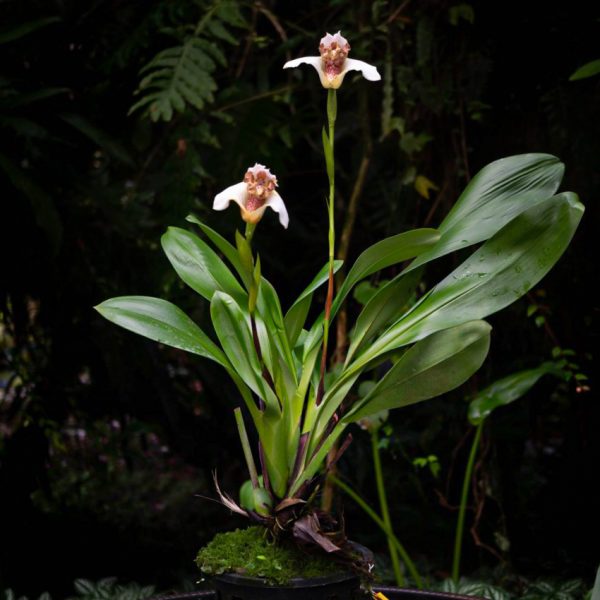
column 106, row 440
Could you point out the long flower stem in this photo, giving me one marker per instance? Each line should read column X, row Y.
column 328, row 147
column 460, row 525
column 380, row 523
column 385, row 513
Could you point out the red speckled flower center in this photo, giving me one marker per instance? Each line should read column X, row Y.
column 259, row 186
column 333, row 57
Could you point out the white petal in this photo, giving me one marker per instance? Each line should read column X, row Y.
column 275, row 202
column 369, row 71
column 236, row 192
column 315, row 61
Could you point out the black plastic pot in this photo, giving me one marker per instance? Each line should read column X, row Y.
column 240, row 588
column 333, row 587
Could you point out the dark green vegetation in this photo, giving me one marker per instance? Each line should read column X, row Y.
column 105, row 438
column 250, row 552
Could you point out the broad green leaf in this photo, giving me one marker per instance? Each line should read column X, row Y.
column 383, row 308
column 494, row 197
column 233, row 330
column 385, row 253
column 433, row 366
column 318, row 419
column 507, row 390
column 273, row 435
column 270, row 309
column 588, row 70
column 296, row 315
column 198, row 265
column 300, row 398
column 228, row 249
column 505, row 268
column 162, row 322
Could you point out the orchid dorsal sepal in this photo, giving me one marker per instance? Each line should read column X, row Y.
column 333, row 63
column 254, row 195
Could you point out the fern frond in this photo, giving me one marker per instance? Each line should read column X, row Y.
column 182, row 76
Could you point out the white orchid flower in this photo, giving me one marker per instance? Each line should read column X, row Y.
column 333, row 64
column 254, row 195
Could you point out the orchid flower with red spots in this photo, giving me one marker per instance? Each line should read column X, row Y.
column 333, row 64
column 253, row 195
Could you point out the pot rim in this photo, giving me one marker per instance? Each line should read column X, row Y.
column 433, row 595
column 296, row 582
column 429, row 594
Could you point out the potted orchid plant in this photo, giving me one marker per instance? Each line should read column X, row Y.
column 301, row 410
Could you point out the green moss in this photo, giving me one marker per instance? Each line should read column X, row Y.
column 251, row 552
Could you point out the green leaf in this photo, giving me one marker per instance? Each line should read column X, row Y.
column 199, row 266
column 328, row 150
column 385, row 306
column 270, row 309
column 385, row 253
column 507, row 390
column 433, row 366
column 228, row 249
column 505, row 268
column 296, row 315
column 365, row 290
column 217, row 29
column 83, row 586
column 181, row 74
column 233, row 330
column 24, row 29
column 588, row 70
column 481, row 590
column 162, row 322
column 494, row 197
column 246, row 259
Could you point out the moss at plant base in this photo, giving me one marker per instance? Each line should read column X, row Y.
column 250, row 552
